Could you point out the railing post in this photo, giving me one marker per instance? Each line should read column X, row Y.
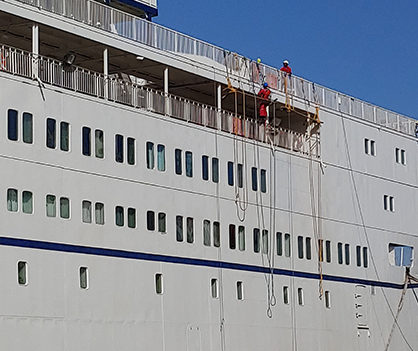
column 35, row 50
column 166, row 98
column 106, row 73
column 219, row 106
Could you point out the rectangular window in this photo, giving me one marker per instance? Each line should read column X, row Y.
column 189, row 164
column 50, row 133
column 86, row 141
column 64, row 208
column 241, row 238
column 265, row 241
column 12, row 202
column 214, row 288
column 150, row 155
column 99, row 143
column 340, row 253
column 12, row 128
column 308, row 248
column 240, row 175
column 279, row 243
column 347, row 254
column 216, row 234
column 119, row 148
column 254, row 178
column 190, row 230
column 300, row 246
column 365, row 258
column 287, row 245
column 130, row 145
column 215, row 170
column 389, row 203
column 366, row 146
column 99, row 213
column 179, row 228
column 300, row 297
column 27, row 202
column 263, row 180
column 159, row 283
column 240, row 291
column 131, row 217
column 403, row 157
column 327, row 299
column 286, row 295
column 177, row 157
column 161, row 222
column 230, row 173
column 372, row 148
column 397, row 155
column 83, row 277
column 328, row 251
column 27, row 128
column 206, row 232
column 51, row 207
column 64, row 136
column 232, row 237
column 22, row 273
column 86, row 211
column 256, row 240
column 161, row 157
column 401, row 255
column 358, row 256
column 205, row 167
column 119, row 216
column 151, row 220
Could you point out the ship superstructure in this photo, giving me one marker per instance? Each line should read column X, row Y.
column 146, row 207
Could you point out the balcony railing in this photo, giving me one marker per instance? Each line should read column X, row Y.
column 137, row 29
column 53, row 72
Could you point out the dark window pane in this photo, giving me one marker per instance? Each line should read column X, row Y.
column 50, row 133
column 119, row 148
column 131, row 151
column 119, row 218
column 179, row 228
column 215, row 170
column 86, row 141
column 189, row 164
column 177, row 154
column 99, row 143
column 232, row 237
column 150, row 220
column 205, row 167
column 240, row 178
column 254, row 178
column 12, row 125
column 150, row 155
column 263, row 181
column 65, row 136
column 27, row 128
column 230, row 173
column 256, row 240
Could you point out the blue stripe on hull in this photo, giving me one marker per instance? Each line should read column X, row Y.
column 43, row 245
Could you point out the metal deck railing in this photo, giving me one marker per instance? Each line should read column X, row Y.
column 53, row 72
column 137, row 29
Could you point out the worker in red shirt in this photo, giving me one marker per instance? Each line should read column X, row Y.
column 264, row 95
column 286, row 68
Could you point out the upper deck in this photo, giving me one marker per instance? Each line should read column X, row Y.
column 122, row 56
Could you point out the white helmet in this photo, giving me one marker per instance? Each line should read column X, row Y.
column 285, row 61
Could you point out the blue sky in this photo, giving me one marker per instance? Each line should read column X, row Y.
column 366, row 49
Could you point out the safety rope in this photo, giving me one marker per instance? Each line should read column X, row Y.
column 400, row 305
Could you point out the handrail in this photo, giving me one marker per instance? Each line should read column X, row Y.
column 128, row 26
column 78, row 79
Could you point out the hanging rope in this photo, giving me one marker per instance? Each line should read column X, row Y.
column 400, row 305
